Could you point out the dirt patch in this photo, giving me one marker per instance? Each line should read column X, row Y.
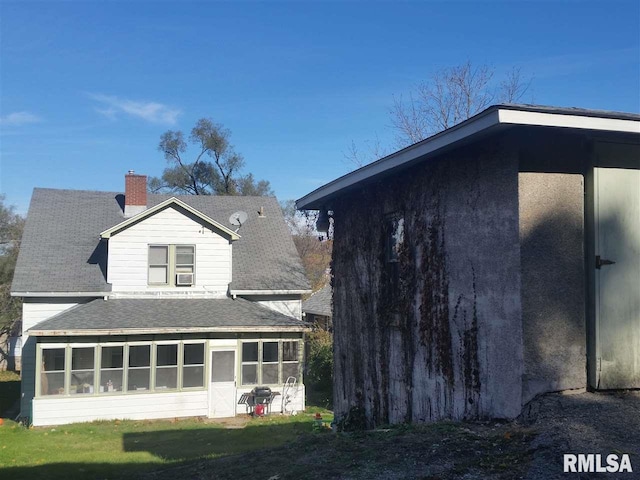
column 239, row 421
column 530, row 448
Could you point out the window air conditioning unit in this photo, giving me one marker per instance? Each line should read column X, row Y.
column 184, row 279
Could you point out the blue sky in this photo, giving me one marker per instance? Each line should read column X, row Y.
column 86, row 88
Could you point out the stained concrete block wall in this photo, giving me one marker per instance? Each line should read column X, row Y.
column 551, row 209
column 437, row 334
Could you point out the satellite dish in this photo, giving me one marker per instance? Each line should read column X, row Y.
column 238, row 218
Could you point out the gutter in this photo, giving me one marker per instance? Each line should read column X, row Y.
column 61, row 294
column 158, row 331
column 234, row 293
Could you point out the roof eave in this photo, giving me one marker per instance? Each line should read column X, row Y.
column 317, row 312
column 62, row 294
column 491, row 119
column 270, row 292
column 159, row 331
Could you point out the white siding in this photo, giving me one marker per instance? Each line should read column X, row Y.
column 128, row 254
column 34, row 311
column 58, row 411
column 287, row 305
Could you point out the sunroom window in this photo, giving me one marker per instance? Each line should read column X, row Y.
column 121, row 368
column 139, row 368
column 290, row 360
column 193, row 365
column 250, row 363
column 166, row 366
column 270, row 362
column 112, row 368
column 82, row 370
column 52, row 378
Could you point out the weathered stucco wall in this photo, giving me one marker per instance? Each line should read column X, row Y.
column 553, row 282
column 437, row 334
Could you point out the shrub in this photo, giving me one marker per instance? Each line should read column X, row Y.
column 319, row 376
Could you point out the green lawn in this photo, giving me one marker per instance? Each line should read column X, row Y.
column 120, row 448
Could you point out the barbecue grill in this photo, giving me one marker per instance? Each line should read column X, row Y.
column 258, row 401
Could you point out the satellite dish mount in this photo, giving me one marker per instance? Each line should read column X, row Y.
column 238, row 219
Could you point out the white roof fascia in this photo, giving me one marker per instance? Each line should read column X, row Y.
column 158, row 331
column 541, row 119
column 316, row 312
column 269, row 292
column 406, row 155
column 171, row 201
column 61, row 294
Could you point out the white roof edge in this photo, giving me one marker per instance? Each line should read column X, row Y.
column 173, row 200
column 151, row 331
column 269, row 292
column 491, row 117
column 565, row 120
column 316, row 312
column 61, row 294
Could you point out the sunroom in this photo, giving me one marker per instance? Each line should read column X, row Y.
column 103, row 369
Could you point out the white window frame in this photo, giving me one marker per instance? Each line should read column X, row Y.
column 183, row 365
column 163, row 367
column 260, row 362
column 71, row 371
column 123, row 386
column 40, row 372
column 172, row 265
column 291, row 362
column 97, row 362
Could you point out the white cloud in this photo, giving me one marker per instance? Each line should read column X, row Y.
column 17, row 119
column 153, row 112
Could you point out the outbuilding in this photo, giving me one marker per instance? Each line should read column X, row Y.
column 487, row 264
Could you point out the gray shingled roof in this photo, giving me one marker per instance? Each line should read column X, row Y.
column 177, row 315
column 61, row 250
column 319, row 303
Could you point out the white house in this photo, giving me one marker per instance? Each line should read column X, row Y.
column 146, row 306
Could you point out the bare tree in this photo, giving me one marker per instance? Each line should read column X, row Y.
column 358, row 158
column 314, row 250
column 451, row 96
column 203, row 177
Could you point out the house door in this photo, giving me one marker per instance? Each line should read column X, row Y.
column 222, row 386
column 617, row 277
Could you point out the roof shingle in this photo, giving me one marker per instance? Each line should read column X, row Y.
column 178, row 315
column 61, row 250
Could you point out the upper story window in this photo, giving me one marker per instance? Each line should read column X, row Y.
column 172, row 265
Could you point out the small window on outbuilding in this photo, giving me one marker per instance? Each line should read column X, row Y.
column 395, row 236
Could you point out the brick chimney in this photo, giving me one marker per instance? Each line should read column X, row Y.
column 135, row 194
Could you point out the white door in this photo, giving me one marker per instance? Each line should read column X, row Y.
column 222, row 384
column 618, row 277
